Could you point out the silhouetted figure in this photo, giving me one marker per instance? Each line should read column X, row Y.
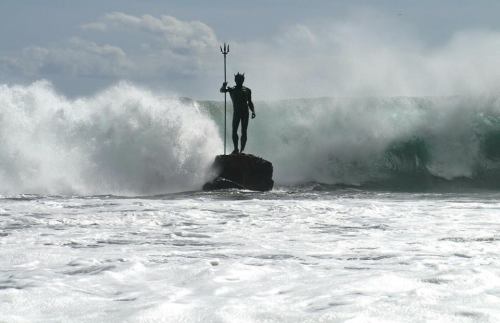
column 242, row 101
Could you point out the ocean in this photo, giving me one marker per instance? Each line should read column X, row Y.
column 384, row 210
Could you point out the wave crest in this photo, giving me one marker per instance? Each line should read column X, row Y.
column 358, row 141
column 124, row 140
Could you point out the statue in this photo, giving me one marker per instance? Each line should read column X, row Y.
column 238, row 170
column 242, row 101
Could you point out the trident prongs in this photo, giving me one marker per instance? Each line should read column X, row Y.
column 224, row 50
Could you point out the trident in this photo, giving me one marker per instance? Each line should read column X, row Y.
column 225, row 50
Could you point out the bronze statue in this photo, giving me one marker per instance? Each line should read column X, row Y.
column 242, row 101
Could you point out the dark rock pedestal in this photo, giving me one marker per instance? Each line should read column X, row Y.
column 243, row 171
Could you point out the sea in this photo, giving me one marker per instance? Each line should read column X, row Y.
column 383, row 210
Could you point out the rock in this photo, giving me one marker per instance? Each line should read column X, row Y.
column 241, row 171
column 221, row 183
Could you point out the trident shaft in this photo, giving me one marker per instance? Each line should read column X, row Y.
column 225, row 50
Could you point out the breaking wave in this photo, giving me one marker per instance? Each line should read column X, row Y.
column 393, row 143
column 124, row 140
column 130, row 141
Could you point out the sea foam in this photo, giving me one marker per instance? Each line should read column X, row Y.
column 127, row 140
column 123, row 140
column 364, row 140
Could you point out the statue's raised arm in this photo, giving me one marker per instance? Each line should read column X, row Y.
column 224, row 88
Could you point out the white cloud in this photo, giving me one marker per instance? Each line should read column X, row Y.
column 121, row 46
column 365, row 54
column 76, row 57
column 172, row 32
column 99, row 26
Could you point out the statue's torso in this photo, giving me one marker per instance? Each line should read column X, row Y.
column 240, row 97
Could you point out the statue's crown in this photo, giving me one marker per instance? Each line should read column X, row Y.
column 239, row 76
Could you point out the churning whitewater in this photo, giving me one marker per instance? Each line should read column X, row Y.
column 393, row 142
column 236, row 256
column 127, row 140
column 124, row 140
column 335, row 241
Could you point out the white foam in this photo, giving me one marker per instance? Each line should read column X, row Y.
column 249, row 257
column 347, row 140
column 124, row 140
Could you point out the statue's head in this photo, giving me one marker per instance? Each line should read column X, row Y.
column 239, row 78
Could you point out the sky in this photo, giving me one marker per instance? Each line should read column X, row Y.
column 287, row 48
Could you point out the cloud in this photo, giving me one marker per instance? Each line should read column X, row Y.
column 364, row 54
column 131, row 47
column 99, row 26
column 76, row 57
column 173, row 34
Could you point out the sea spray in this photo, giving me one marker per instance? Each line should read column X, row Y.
column 362, row 141
column 130, row 141
column 124, row 140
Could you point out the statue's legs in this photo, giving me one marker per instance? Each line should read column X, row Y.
column 236, row 123
column 244, row 126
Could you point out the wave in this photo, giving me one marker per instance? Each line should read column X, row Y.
column 400, row 142
column 127, row 140
column 124, row 140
